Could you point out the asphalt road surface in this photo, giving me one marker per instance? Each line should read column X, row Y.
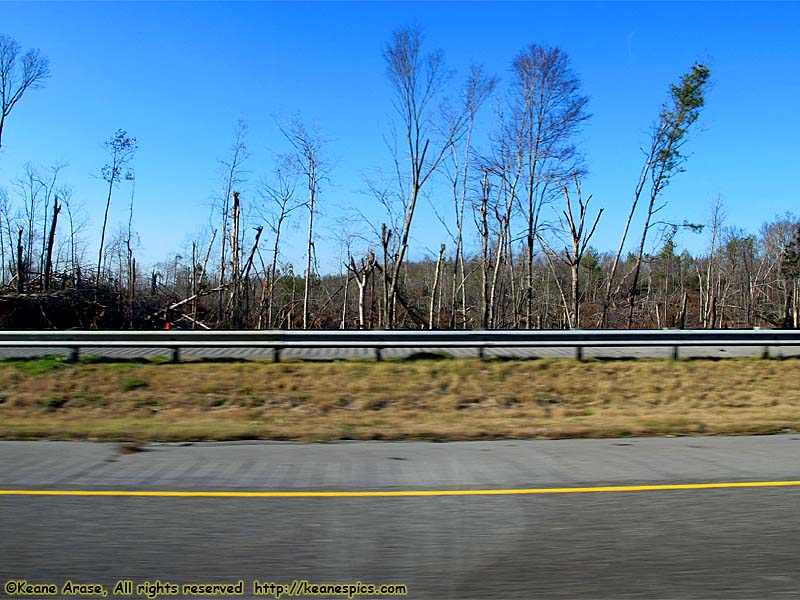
column 728, row 542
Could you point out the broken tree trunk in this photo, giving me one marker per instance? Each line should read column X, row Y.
column 48, row 265
column 435, row 285
column 20, row 266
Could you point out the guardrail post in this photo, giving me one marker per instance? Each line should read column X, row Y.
column 675, row 353
column 74, row 354
column 765, row 352
column 276, row 355
column 176, row 355
column 481, row 352
column 378, row 354
column 578, row 352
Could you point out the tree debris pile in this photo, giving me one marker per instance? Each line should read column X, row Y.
column 76, row 309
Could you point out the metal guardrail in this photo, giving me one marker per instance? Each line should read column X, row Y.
column 481, row 340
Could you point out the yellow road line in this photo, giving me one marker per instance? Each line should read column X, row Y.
column 402, row 493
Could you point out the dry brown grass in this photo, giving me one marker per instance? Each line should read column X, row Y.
column 447, row 399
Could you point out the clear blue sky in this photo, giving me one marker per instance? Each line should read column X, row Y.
column 179, row 75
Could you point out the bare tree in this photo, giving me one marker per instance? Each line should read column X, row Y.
column 199, row 278
column 479, row 87
column 18, row 73
column 361, row 273
column 129, row 243
column 232, row 174
column 30, row 191
column 309, row 147
column 579, row 232
column 121, row 149
column 232, row 310
column 48, row 185
column 481, row 211
column 77, row 223
column 708, row 289
column 548, row 111
column 277, row 193
column 428, row 127
column 36, row 189
column 505, row 167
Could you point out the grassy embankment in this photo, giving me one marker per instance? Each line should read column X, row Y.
column 423, row 399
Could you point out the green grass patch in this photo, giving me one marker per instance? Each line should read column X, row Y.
column 132, row 383
column 39, row 366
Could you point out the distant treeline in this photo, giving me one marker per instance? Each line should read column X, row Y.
column 515, row 196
